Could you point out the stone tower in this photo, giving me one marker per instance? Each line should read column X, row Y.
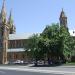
column 63, row 19
column 4, row 32
column 11, row 24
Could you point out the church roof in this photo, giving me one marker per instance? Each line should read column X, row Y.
column 27, row 35
column 20, row 36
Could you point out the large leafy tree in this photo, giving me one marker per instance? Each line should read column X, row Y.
column 57, row 42
column 54, row 43
column 50, row 40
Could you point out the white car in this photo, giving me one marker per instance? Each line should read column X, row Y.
column 18, row 62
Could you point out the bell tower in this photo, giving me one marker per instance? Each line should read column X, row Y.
column 4, row 30
column 63, row 19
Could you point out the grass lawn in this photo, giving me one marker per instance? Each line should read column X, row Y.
column 69, row 64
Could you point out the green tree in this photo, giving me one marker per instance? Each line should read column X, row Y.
column 33, row 46
column 54, row 43
column 58, row 42
column 67, row 43
column 51, row 41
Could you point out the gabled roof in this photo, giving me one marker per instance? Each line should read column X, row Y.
column 20, row 36
column 28, row 35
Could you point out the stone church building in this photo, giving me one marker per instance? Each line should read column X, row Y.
column 11, row 44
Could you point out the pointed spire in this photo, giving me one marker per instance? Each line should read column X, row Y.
column 62, row 10
column 11, row 23
column 3, row 4
column 63, row 19
column 62, row 13
column 10, row 20
column 3, row 11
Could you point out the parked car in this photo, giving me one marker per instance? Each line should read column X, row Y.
column 18, row 62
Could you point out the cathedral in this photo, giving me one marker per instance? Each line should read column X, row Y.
column 12, row 46
column 6, row 27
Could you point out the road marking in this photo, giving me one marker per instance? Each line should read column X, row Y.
column 38, row 70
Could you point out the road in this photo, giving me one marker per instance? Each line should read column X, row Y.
column 27, row 70
column 11, row 72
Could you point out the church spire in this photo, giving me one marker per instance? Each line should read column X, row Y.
column 11, row 23
column 63, row 19
column 62, row 13
column 10, row 20
column 3, row 12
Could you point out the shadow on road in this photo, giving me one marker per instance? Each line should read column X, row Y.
column 51, row 65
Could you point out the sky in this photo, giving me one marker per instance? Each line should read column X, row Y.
column 32, row 16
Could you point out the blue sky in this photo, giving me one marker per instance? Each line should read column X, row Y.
column 34, row 15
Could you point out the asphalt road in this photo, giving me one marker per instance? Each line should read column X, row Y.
column 10, row 72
